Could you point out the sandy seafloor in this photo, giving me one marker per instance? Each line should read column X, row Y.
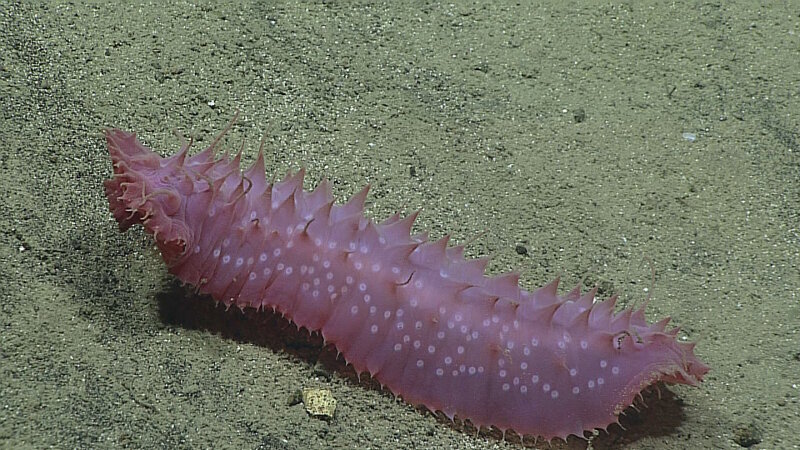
column 551, row 135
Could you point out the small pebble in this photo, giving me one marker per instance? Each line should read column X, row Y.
column 319, row 402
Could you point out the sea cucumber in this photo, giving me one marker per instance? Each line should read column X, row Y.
column 425, row 322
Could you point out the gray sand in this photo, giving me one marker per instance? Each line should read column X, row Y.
column 556, row 139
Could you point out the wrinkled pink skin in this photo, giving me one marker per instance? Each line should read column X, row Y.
column 422, row 320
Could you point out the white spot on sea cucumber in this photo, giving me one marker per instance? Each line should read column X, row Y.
column 495, row 319
column 480, row 369
column 459, row 317
column 431, row 349
column 226, row 242
column 277, row 252
column 418, row 325
column 400, row 325
column 267, row 271
column 326, row 264
column 332, row 245
column 600, row 381
column 554, row 394
column 603, row 363
column 440, row 334
column 197, row 249
column 523, row 365
column 289, row 271
column 417, row 343
column 398, row 347
column 562, row 345
column 460, row 350
column 475, row 335
column 442, row 310
column 330, row 286
column 352, row 246
column 472, row 370
column 506, row 386
column 448, row 360
column 315, row 293
column 455, row 373
column 373, row 329
column 615, row 370
column 584, row 345
column 262, row 257
column 364, row 249
column 413, row 302
column 505, row 328
column 546, row 387
column 535, row 379
column 306, row 286
column 576, row 390
column 226, row 259
column 510, row 345
column 420, row 363
column 317, row 242
column 348, row 279
column 502, row 373
column 395, row 270
column 253, row 215
column 387, row 314
column 450, row 324
column 329, row 276
column 280, row 267
column 358, row 265
column 406, row 339
column 573, row 372
column 315, row 258
column 399, row 312
column 526, row 351
column 462, row 368
column 354, row 310
column 372, row 310
column 516, row 381
column 501, row 362
column 290, row 244
column 216, row 253
column 376, row 267
column 523, row 389
column 362, row 287
column 418, row 284
column 316, row 281
column 439, row 372
column 442, row 273
column 252, row 276
column 367, row 298
column 590, row 384
column 534, row 342
column 486, row 322
column 463, row 329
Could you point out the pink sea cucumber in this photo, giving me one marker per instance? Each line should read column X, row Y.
column 423, row 321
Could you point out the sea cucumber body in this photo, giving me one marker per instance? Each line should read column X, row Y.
column 421, row 319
